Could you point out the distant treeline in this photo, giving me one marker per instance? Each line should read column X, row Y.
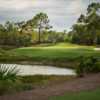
column 38, row 30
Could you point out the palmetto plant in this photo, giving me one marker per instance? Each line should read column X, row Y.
column 8, row 73
column 8, row 78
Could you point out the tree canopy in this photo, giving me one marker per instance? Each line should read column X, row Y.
column 87, row 28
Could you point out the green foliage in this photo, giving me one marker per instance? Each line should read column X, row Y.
column 87, row 29
column 11, row 36
column 8, row 73
column 35, row 30
column 80, row 68
column 8, row 79
column 39, row 22
column 87, row 65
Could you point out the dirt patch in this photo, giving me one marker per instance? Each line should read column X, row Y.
column 86, row 83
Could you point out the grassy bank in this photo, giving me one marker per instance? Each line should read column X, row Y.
column 61, row 54
column 86, row 95
column 42, row 80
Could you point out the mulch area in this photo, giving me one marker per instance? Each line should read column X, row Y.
column 89, row 82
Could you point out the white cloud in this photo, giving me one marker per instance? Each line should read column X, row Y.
column 75, row 7
column 62, row 13
column 16, row 4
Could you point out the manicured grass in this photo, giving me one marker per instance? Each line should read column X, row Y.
column 87, row 95
column 61, row 53
column 58, row 51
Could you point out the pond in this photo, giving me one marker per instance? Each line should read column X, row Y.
column 25, row 70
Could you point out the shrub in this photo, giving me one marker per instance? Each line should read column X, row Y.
column 80, row 68
column 87, row 65
column 91, row 65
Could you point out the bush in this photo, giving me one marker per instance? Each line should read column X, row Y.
column 80, row 68
column 91, row 65
column 87, row 65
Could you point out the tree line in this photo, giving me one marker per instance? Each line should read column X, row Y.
column 35, row 30
column 38, row 30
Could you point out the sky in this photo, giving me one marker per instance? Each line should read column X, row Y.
column 62, row 13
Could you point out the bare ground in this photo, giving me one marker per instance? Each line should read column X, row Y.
column 89, row 82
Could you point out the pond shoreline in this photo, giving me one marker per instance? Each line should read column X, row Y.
column 27, row 70
column 61, row 64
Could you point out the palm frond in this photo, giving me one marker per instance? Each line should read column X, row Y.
column 8, row 72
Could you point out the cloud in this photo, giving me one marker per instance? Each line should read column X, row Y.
column 62, row 13
column 16, row 4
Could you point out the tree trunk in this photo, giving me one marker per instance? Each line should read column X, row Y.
column 39, row 37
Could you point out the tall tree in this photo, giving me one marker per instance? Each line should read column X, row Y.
column 88, row 26
column 93, row 19
column 41, row 23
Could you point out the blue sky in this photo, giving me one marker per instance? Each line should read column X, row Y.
column 62, row 13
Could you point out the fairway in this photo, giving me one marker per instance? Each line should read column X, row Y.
column 60, row 54
column 56, row 51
